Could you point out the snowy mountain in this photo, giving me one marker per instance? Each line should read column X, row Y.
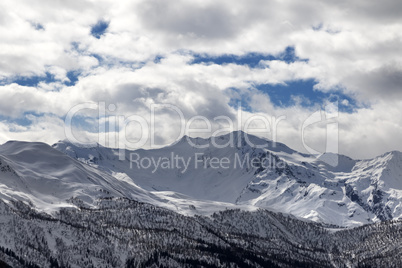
column 181, row 206
column 352, row 193
column 126, row 233
column 48, row 180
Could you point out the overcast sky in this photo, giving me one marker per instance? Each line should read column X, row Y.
column 210, row 58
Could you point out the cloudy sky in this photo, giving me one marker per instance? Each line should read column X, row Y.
column 279, row 60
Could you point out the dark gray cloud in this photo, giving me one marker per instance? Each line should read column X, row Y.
column 362, row 57
column 385, row 11
column 384, row 83
column 184, row 18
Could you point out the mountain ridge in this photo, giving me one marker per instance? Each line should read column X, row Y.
column 355, row 192
column 68, row 206
column 306, row 179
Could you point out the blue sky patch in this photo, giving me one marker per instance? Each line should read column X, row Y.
column 250, row 59
column 73, row 77
column 23, row 120
column 158, row 59
column 302, row 92
column 289, row 56
column 98, row 57
column 33, row 81
column 99, row 28
column 240, row 102
column 37, row 26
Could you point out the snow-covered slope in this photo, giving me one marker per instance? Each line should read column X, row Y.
column 36, row 173
column 230, row 171
column 125, row 233
column 103, row 212
column 48, row 179
column 352, row 193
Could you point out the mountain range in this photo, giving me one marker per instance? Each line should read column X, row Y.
column 352, row 193
column 231, row 200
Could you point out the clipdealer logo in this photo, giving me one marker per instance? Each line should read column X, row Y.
column 201, row 161
column 118, row 127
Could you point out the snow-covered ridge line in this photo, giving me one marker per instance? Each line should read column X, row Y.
column 353, row 193
column 348, row 194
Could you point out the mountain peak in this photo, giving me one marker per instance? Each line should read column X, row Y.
column 337, row 162
column 397, row 154
column 14, row 147
column 67, row 142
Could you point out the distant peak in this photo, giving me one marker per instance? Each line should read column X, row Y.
column 77, row 144
column 17, row 144
column 395, row 156
column 396, row 153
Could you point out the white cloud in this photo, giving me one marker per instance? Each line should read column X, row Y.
column 355, row 46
